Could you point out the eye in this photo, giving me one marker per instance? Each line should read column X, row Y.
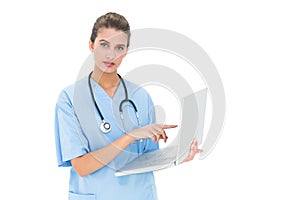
column 103, row 44
column 120, row 48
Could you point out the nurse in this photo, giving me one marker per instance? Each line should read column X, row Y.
column 90, row 135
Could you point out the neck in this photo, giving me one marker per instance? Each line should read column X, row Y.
column 106, row 80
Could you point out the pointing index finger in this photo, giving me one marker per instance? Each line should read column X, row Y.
column 169, row 126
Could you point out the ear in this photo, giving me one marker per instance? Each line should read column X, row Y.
column 91, row 46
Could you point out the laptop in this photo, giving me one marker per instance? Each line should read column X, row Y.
column 192, row 125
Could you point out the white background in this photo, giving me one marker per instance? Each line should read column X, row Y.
column 255, row 46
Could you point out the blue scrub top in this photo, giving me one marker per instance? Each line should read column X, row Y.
column 71, row 142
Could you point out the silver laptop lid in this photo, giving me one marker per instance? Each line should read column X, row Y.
column 192, row 122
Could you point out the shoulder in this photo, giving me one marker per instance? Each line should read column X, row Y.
column 67, row 93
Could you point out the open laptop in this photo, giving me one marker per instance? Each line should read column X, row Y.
column 192, row 125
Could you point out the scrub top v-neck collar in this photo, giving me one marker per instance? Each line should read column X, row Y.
column 101, row 93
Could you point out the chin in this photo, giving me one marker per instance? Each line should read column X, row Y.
column 109, row 70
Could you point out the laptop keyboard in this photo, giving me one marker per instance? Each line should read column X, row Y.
column 165, row 155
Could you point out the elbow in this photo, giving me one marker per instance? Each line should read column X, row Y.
column 80, row 171
column 79, row 167
column 84, row 172
column 84, row 165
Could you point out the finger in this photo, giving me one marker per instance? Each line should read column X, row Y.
column 156, row 129
column 194, row 152
column 199, row 151
column 195, row 145
column 153, row 138
column 164, row 136
column 160, row 127
column 156, row 137
column 196, row 142
column 169, row 126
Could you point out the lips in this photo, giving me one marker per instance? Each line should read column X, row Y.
column 109, row 64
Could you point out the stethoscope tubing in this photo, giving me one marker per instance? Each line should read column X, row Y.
column 105, row 126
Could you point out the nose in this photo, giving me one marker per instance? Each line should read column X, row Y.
column 110, row 54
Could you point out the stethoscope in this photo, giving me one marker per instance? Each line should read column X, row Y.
column 105, row 127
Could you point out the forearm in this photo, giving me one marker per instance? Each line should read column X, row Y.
column 91, row 162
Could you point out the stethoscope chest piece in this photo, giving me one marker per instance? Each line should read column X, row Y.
column 105, row 127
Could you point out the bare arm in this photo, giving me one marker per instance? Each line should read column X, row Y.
column 89, row 163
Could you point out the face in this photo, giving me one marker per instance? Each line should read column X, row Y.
column 109, row 47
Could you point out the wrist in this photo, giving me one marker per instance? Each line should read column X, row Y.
column 129, row 137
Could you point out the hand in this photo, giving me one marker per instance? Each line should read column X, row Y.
column 153, row 131
column 193, row 151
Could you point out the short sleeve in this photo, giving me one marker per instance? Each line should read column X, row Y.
column 150, row 145
column 69, row 139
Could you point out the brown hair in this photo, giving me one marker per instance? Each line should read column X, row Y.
column 111, row 20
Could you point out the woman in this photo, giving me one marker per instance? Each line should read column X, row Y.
column 94, row 161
